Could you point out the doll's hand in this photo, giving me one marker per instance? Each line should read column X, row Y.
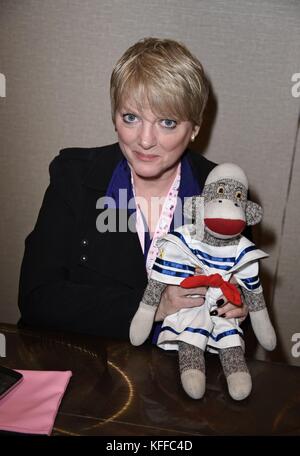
column 175, row 298
column 228, row 310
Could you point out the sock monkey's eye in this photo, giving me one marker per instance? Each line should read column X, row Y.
column 220, row 190
column 238, row 195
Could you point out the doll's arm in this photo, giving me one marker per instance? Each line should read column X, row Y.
column 252, row 291
column 142, row 321
column 260, row 319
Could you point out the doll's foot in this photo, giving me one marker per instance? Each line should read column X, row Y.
column 239, row 385
column 193, row 382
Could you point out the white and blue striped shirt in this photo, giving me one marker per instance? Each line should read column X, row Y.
column 180, row 253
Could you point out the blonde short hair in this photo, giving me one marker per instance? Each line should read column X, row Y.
column 164, row 74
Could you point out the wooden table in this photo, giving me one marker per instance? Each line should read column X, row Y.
column 121, row 390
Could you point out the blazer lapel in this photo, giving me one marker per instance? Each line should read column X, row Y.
column 116, row 251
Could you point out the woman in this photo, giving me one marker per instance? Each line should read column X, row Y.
column 84, row 270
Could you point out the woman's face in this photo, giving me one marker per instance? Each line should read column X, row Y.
column 152, row 145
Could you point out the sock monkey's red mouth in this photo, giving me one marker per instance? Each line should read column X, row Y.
column 222, row 226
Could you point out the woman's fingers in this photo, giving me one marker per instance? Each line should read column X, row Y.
column 190, row 292
column 228, row 310
column 237, row 312
column 175, row 298
column 196, row 292
column 192, row 301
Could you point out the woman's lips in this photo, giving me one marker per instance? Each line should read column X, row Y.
column 145, row 157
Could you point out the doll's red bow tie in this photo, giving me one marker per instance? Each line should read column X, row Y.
column 229, row 290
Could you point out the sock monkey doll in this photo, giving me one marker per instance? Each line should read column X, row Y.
column 215, row 244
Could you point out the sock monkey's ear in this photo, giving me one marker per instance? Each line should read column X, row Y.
column 254, row 213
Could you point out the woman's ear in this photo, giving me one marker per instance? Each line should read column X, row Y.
column 254, row 213
column 196, row 130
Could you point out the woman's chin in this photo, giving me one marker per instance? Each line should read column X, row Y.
column 147, row 172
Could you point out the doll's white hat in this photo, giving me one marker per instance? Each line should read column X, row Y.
column 227, row 171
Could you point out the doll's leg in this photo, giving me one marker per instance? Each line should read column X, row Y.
column 260, row 320
column 142, row 321
column 192, row 369
column 236, row 372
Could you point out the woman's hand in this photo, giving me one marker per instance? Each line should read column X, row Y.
column 175, row 298
column 228, row 310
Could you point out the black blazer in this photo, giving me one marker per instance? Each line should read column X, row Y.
column 73, row 277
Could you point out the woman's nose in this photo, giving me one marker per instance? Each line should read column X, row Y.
column 147, row 137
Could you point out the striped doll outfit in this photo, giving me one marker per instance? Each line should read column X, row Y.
column 179, row 255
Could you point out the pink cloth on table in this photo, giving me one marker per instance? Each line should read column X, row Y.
column 31, row 407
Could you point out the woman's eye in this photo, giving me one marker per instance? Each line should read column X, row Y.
column 220, row 190
column 238, row 195
column 129, row 118
column 168, row 123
